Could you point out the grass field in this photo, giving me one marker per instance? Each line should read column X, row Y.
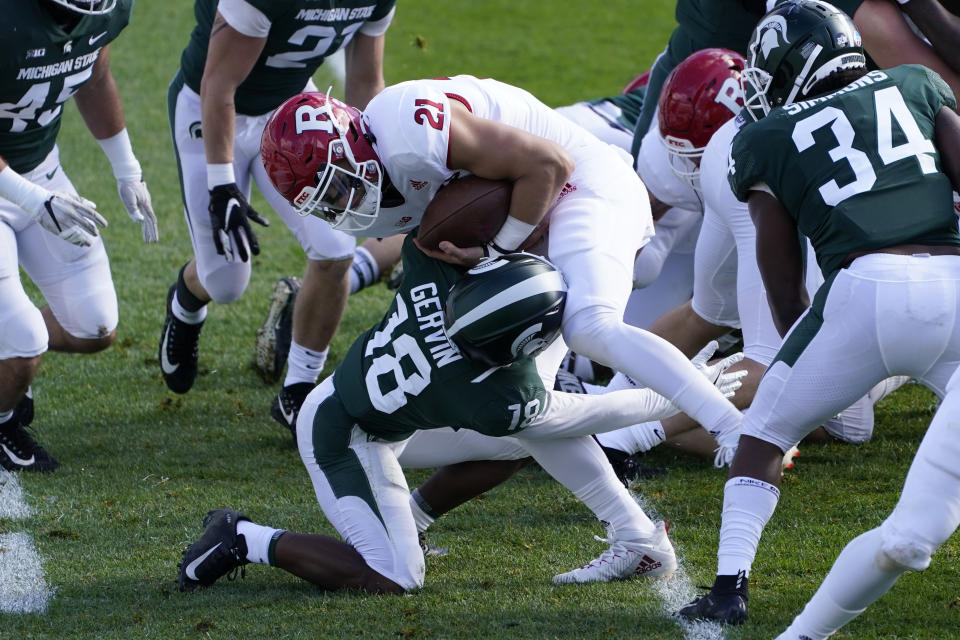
column 141, row 466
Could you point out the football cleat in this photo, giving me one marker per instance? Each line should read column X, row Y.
column 219, row 551
column 395, row 279
column 179, row 346
column 788, row 458
column 726, row 602
column 628, row 468
column 273, row 338
column 651, row 558
column 286, row 405
column 19, row 451
column 429, row 550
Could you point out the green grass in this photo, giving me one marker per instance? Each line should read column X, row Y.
column 141, row 466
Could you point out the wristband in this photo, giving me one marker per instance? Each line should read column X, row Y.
column 218, row 174
column 21, row 192
column 512, row 234
column 120, row 154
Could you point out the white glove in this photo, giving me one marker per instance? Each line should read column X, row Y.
column 716, row 373
column 70, row 218
column 136, row 200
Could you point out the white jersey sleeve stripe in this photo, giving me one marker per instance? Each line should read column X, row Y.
column 379, row 27
column 245, row 18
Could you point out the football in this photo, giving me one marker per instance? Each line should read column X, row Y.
column 467, row 212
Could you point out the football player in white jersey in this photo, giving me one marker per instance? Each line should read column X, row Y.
column 374, row 173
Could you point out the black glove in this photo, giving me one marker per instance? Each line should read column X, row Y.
column 230, row 214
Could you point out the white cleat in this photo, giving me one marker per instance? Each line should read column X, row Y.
column 650, row 558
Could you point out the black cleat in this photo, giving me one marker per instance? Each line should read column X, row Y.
column 179, row 346
column 19, row 451
column 726, row 602
column 286, row 405
column 219, row 551
column 628, row 468
column 429, row 550
column 272, row 345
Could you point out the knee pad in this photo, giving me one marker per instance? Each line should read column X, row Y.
column 24, row 333
column 226, row 283
column 902, row 549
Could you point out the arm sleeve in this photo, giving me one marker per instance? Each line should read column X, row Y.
column 245, row 18
column 568, row 415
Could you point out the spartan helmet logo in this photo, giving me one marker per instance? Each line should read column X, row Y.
column 771, row 31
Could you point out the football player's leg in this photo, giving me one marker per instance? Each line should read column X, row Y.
column 319, row 304
column 363, row 493
column 637, row 545
column 470, row 464
column 809, row 382
column 598, row 267
column 81, row 310
column 927, row 513
column 24, row 336
column 712, row 310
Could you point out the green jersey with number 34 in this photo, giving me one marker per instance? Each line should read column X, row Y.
column 41, row 67
column 302, row 34
column 404, row 375
column 857, row 169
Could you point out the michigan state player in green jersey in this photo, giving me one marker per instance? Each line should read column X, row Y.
column 453, row 350
column 863, row 164
column 243, row 59
column 54, row 50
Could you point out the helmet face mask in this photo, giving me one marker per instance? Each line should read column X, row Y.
column 506, row 309
column 88, row 7
column 698, row 97
column 793, row 47
column 319, row 156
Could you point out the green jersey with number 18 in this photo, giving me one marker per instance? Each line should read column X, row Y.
column 857, row 168
column 41, row 67
column 302, row 34
column 404, row 375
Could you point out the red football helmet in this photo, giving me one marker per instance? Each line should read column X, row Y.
column 700, row 94
column 318, row 154
column 641, row 80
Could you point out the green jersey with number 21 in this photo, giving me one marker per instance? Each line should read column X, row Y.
column 857, row 169
column 404, row 375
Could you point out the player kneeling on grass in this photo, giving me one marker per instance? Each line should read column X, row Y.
column 453, row 350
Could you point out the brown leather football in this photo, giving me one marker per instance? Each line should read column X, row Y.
column 467, row 212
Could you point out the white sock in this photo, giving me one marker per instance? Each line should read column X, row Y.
column 304, row 365
column 613, row 504
column 854, row 582
column 635, row 439
column 748, row 504
column 364, row 271
column 260, row 540
column 423, row 515
column 190, row 317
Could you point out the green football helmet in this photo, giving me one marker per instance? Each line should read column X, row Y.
column 794, row 46
column 88, row 7
column 506, row 309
